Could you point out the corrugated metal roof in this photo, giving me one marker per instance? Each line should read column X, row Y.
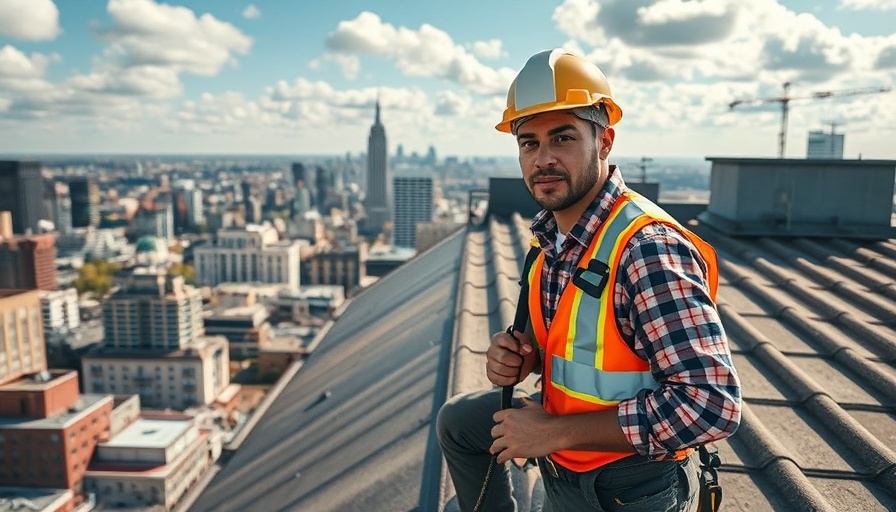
column 367, row 446
column 812, row 326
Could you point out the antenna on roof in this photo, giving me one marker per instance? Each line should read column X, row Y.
column 643, row 167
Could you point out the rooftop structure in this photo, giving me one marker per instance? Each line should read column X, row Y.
column 793, row 197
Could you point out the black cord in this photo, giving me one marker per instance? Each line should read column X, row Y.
column 506, row 403
column 520, row 319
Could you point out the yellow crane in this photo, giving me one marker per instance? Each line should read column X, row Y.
column 785, row 99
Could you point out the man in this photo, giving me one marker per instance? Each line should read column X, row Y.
column 635, row 366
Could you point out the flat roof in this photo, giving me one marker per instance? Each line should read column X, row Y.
column 83, row 406
column 801, row 161
column 150, row 433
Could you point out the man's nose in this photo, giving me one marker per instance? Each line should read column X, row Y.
column 544, row 157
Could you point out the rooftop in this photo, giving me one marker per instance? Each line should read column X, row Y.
column 84, row 405
column 150, row 433
column 812, row 327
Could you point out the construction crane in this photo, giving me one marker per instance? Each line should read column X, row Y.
column 785, row 99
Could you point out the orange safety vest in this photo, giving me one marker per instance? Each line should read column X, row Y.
column 588, row 366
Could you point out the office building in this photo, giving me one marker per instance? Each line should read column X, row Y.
column 186, row 191
column 155, row 345
column 60, row 207
column 413, row 205
column 151, row 463
column 825, row 145
column 194, row 375
column 60, row 312
column 26, row 262
column 47, row 428
column 156, row 220
column 22, row 194
column 152, row 310
column 244, row 327
column 49, row 431
column 85, row 202
column 22, row 343
column 343, row 265
column 253, row 254
column 378, row 200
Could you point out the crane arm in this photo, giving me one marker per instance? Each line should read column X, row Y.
column 814, row 95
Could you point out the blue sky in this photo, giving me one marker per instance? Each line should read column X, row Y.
column 298, row 78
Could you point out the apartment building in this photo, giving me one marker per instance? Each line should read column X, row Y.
column 253, row 254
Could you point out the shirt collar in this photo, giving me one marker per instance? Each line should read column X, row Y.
column 544, row 225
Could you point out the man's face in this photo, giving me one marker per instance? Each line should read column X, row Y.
column 560, row 158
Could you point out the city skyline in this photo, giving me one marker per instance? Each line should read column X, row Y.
column 233, row 77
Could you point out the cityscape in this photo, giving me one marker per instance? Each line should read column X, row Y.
column 152, row 301
column 248, row 251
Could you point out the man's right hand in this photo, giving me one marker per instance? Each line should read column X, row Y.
column 508, row 361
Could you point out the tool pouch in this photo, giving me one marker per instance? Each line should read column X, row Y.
column 710, row 490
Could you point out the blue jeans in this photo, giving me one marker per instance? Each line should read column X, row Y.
column 633, row 484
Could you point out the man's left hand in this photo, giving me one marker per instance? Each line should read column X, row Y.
column 522, row 433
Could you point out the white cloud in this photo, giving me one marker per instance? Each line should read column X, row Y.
column 452, row 104
column 15, row 64
column 350, row 64
column 666, row 11
column 873, row 5
column 491, row 49
column 251, row 12
column 726, row 39
column 149, row 46
column 427, row 52
column 666, row 72
column 22, row 73
column 147, row 33
column 29, row 20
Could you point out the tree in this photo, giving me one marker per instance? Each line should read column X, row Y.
column 185, row 270
column 95, row 277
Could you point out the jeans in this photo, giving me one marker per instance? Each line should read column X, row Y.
column 633, row 484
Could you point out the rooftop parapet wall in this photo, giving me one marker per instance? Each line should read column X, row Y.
column 801, row 197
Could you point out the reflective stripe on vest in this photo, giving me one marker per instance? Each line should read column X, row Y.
column 581, row 373
column 592, row 368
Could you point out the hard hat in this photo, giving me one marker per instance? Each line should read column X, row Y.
column 557, row 80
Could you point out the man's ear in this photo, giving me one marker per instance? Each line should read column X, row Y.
column 606, row 137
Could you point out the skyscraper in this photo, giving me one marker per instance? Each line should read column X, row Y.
column 379, row 194
column 85, row 198
column 413, row 204
column 22, row 193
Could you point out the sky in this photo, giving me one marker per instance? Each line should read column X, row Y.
column 302, row 78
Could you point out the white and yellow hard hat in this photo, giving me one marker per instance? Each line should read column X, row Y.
column 557, row 80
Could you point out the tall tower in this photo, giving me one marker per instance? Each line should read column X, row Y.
column 22, row 193
column 85, row 197
column 413, row 205
column 379, row 194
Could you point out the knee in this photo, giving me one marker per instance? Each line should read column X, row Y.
column 450, row 419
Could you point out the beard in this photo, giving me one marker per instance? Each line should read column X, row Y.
column 576, row 189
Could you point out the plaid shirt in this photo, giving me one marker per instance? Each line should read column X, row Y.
column 666, row 316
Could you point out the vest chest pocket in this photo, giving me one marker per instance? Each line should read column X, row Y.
column 593, row 278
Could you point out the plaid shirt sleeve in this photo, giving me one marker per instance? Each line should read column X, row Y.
column 665, row 312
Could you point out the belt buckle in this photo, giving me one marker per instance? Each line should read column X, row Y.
column 551, row 467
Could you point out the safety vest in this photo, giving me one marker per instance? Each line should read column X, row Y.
column 588, row 366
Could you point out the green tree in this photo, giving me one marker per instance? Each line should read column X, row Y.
column 185, row 270
column 95, row 277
